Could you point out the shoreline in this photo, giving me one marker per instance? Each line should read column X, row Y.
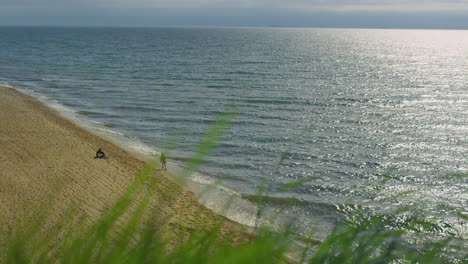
column 147, row 152
column 41, row 149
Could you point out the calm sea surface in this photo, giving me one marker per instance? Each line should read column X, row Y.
column 375, row 119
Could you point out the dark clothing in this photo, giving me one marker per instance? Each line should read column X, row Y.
column 100, row 154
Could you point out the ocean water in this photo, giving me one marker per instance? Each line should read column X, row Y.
column 376, row 120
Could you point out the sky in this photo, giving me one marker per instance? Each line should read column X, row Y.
column 436, row 14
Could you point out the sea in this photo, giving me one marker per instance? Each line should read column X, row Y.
column 328, row 125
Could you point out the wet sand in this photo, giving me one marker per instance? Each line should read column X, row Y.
column 42, row 153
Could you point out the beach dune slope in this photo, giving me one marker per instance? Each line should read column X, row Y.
column 43, row 153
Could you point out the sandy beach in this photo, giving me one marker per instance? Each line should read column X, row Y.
column 42, row 153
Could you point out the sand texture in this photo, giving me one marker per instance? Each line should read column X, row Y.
column 42, row 152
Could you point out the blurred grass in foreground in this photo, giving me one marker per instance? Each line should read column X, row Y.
column 116, row 238
column 125, row 234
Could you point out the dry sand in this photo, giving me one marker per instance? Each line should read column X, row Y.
column 42, row 152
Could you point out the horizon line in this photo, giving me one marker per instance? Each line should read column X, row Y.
column 233, row 26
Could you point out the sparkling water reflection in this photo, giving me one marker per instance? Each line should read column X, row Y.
column 342, row 106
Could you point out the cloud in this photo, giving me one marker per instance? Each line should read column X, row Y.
column 311, row 5
column 319, row 13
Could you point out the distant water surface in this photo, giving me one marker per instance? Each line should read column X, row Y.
column 365, row 114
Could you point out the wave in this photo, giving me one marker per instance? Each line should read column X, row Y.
column 136, row 108
column 217, row 86
column 97, row 114
column 5, row 84
column 353, row 100
column 272, row 199
column 244, row 73
column 276, row 200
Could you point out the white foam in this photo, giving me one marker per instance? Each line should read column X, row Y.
column 200, row 178
column 216, row 197
column 5, row 84
column 106, row 130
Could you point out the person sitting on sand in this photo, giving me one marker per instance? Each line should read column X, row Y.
column 162, row 159
column 100, row 154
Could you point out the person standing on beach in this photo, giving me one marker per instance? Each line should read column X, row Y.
column 162, row 159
